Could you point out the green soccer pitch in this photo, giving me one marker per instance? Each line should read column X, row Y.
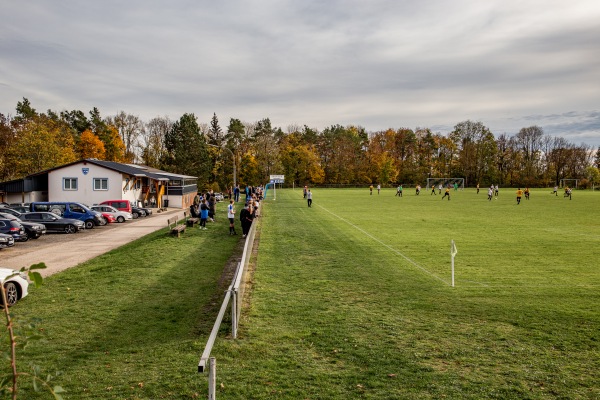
column 352, row 298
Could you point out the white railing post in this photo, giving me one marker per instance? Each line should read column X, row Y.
column 212, row 378
column 234, row 316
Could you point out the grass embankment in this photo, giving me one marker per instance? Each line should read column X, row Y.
column 353, row 299
column 131, row 324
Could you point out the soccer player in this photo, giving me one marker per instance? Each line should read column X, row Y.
column 418, row 190
column 447, row 193
column 526, row 193
column 371, row 190
column 478, row 188
column 433, row 190
column 378, row 188
column 490, row 192
column 496, row 191
column 568, row 192
column 519, row 195
column 440, row 188
column 555, row 190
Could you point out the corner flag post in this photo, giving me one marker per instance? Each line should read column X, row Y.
column 453, row 252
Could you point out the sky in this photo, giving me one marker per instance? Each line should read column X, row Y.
column 378, row 64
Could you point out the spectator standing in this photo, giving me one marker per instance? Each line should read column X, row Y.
column 212, row 207
column 246, row 219
column 378, row 188
column 203, row 215
column 231, row 216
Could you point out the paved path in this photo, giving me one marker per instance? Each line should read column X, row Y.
column 61, row 251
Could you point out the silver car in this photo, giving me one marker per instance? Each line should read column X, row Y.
column 120, row 216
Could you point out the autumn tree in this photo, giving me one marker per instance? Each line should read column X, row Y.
column 130, row 128
column 39, row 144
column 476, row 151
column 530, row 144
column 152, row 147
column 90, row 146
column 299, row 161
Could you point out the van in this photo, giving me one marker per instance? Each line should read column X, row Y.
column 70, row 209
column 121, row 205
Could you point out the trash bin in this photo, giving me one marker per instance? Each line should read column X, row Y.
column 165, row 203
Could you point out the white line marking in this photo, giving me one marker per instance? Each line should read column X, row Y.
column 388, row 247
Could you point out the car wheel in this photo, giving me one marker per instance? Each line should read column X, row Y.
column 135, row 215
column 89, row 224
column 70, row 229
column 25, row 237
column 120, row 219
column 12, row 293
column 103, row 221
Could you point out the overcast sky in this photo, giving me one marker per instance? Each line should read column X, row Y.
column 375, row 63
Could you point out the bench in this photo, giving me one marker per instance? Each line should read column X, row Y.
column 191, row 221
column 174, row 227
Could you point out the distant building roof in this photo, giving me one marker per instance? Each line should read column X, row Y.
column 129, row 169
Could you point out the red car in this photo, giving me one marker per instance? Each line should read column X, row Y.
column 108, row 218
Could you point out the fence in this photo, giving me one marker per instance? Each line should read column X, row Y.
column 235, row 294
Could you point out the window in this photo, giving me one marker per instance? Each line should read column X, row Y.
column 69, row 183
column 100, row 183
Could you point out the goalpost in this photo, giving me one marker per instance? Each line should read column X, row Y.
column 435, row 182
column 569, row 183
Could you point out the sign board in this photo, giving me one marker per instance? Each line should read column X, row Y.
column 277, row 178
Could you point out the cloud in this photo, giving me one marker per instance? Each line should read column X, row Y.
column 377, row 64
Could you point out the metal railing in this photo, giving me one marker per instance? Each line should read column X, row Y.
column 235, row 293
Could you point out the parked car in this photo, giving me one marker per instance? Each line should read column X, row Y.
column 120, row 216
column 147, row 211
column 33, row 230
column 15, row 285
column 137, row 212
column 55, row 222
column 6, row 241
column 20, row 207
column 14, row 229
column 121, row 205
column 9, row 210
column 108, row 218
column 70, row 209
column 219, row 196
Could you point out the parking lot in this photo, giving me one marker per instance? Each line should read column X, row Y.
column 60, row 251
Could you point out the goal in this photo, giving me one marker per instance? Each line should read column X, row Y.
column 435, row 182
column 572, row 183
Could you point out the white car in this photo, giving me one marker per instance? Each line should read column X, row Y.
column 15, row 286
column 120, row 216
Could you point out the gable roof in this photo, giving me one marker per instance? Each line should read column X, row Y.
column 128, row 169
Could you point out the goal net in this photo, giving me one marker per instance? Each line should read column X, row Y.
column 572, row 183
column 445, row 182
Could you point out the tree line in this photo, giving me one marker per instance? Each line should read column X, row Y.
column 31, row 141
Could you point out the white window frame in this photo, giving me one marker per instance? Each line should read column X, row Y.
column 70, row 180
column 100, row 180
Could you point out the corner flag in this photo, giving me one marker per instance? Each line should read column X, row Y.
column 453, row 250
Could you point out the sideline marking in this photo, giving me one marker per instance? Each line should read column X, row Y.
column 389, row 247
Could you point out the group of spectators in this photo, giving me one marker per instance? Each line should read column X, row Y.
column 204, row 207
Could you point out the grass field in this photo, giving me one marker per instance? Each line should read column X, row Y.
column 351, row 299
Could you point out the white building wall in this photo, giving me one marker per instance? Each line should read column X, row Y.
column 85, row 192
